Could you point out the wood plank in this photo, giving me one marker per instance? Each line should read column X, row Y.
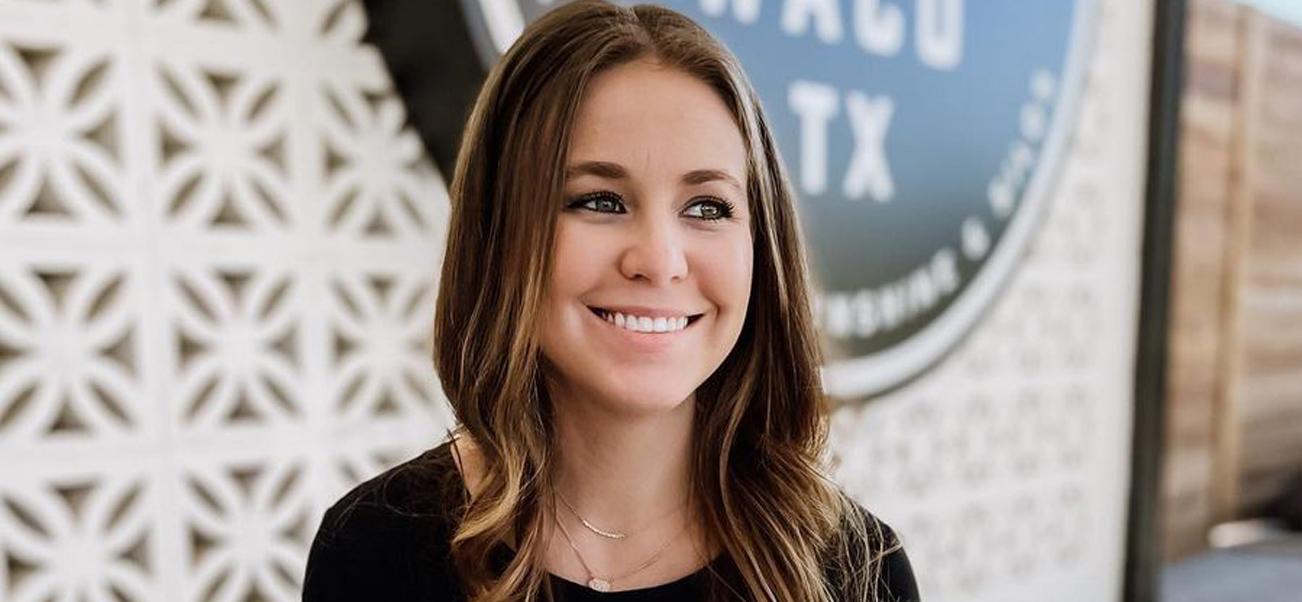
column 1269, row 396
column 1208, row 123
column 1234, row 412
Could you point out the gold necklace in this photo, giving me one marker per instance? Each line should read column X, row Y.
column 604, row 584
column 615, row 534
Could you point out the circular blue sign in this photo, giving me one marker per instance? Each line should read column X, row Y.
column 922, row 138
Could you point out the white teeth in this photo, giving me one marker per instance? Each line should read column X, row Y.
column 645, row 324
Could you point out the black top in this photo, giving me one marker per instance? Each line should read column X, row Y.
column 387, row 539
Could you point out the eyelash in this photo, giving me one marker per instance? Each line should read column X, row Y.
column 726, row 209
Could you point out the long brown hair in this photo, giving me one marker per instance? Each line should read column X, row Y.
column 761, row 418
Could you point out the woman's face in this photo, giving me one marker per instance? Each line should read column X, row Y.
column 651, row 268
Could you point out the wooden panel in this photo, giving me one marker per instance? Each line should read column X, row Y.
column 1208, row 126
column 1269, row 395
column 1234, row 416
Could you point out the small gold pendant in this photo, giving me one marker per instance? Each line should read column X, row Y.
column 600, row 585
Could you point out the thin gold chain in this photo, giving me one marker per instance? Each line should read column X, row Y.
column 590, row 526
column 616, row 534
column 611, row 580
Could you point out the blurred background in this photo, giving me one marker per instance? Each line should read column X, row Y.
column 1232, row 480
column 1058, row 248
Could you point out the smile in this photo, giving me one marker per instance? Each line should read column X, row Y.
column 645, row 324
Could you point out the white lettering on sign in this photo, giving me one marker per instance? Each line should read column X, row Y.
column 815, row 104
column 878, row 27
column 868, row 174
column 939, row 28
column 826, row 15
column 745, row 11
column 868, row 312
column 1020, row 160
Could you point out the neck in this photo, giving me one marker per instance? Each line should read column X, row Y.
column 622, row 470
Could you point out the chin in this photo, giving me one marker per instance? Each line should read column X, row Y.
column 648, row 398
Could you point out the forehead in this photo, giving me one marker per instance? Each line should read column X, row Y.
column 656, row 119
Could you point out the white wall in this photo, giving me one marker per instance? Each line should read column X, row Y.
column 189, row 373
column 123, row 299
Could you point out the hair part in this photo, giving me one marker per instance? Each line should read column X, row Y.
column 761, row 422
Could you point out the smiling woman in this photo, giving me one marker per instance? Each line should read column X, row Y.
column 624, row 334
column 655, row 229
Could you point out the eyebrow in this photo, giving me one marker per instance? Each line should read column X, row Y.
column 615, row 171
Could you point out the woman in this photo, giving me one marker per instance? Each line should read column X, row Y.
column 623, row 331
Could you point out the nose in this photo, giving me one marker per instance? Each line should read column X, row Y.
column 655, row 253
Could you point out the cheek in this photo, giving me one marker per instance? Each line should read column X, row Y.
column 724, row 270
column 576, row 264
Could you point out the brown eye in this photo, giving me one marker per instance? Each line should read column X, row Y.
column 710, row 209
column 599, row 202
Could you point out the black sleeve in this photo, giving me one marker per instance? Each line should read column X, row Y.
column 373, row 553
column 895, row 581
column 897, row 575
column 343, row 565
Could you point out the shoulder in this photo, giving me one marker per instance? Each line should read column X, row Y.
column 419, row 489
column 871, row 541
column 374, row 536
